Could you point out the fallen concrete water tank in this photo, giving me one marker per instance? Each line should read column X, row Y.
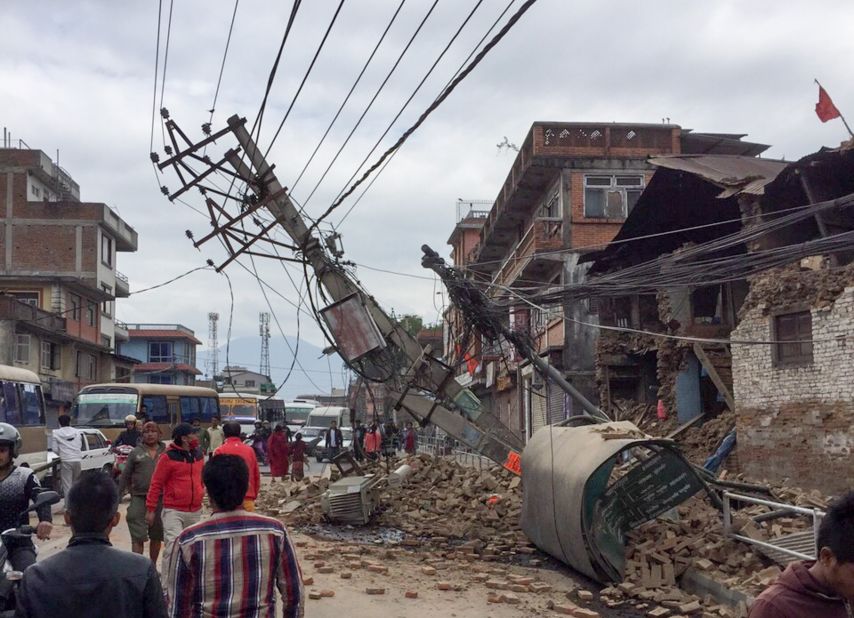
column 585, row 487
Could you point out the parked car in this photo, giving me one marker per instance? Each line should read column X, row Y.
column 97, row 452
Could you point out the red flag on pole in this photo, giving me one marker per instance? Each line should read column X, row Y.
column 825, row 109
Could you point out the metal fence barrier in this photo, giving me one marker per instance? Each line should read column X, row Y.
column 445, row 447
column 801, row 545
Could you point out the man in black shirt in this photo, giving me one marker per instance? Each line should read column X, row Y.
column 90, row 577
column 18, row 488
column 131, row 436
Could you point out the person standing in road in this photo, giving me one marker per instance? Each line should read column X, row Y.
column 212, row 437
column 277, row 453
column 68, row 444
column 18, row 488
column 177, row 481
column 233, row 445
column 298, row 458
column 410, row 438
column 373, row 442
column 136, row 478
column 359, row 440
column 821, row 588
column 334, row 439
column 90, row 577
column 260, row 556
column 131, row 435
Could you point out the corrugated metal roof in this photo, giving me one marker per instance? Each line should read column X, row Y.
column 734, row 174
column 161, row 334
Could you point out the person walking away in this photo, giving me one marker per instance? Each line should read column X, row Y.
column 298, row 458
column 277, row 453
column 177, row 482
column 212, row 437
column 373, row 443
column 821, row 588
column 18, row 488
column 90, row 577
column 359, row 440
column 334, row 439
column 261, row 558
column 136, row 478
column 410, row 438
column 259, row 442
column 233, row 445
column 130, row 436
column 68, row 444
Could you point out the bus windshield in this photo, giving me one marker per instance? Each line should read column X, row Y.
column 232, row 406
column 297, row 415
column 104, row 409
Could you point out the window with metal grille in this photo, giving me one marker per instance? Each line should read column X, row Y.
column 31, row 298
column 793, row 332
column 611, row 197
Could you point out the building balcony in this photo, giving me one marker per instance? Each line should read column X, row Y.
column 121, row 330
column 43, row 321
column 534, row 256
column 552, row 146
column 122, row 285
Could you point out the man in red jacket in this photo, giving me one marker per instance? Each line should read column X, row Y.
column 177, row 481
column 820, row 589
column 233, row 445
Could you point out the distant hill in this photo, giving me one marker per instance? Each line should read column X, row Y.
column 246, row 352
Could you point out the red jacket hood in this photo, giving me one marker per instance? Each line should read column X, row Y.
column 797, row 578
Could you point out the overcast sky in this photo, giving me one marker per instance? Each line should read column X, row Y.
column 78, row 77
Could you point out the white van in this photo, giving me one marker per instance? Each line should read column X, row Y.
column 319, row 420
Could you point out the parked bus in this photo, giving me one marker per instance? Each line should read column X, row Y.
column 105, row 406
column 22, row 405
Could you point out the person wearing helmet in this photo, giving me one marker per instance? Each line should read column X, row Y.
column 18, row 488
column 131, row 436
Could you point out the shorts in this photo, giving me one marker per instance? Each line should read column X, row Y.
column 139, row 530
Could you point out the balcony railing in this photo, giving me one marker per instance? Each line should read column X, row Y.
column 544, row 235
column 122, row 285
column 12, row 309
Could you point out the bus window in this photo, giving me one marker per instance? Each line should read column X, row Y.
column 201, row 408
column 209, row 407
column 11, row 412
column 32, row 400
column 156, row 408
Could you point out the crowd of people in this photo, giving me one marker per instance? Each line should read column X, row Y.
column 235, row 562
column 232, row 563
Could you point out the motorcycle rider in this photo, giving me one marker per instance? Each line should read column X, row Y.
column 131, row 436
column 18, row 488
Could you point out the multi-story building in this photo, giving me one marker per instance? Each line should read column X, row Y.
column 166, row 353
column 58, row 274
column 568, row 192
column 246, row 381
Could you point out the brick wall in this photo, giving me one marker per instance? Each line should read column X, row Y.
column 797, row 423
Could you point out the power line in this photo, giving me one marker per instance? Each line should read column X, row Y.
column 349, row 94
column 305, row 77
column 224, row 56
column 166, row 61
column 373, row 99
column 414, row 92
column 156, row 72
column 492, row 43
column 394, row 154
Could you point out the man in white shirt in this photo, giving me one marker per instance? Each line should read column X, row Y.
column 68, row 444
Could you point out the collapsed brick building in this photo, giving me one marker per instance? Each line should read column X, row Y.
column 775, row 345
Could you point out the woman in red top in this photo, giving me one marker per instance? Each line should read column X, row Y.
column 373, row 441
column 277, row 453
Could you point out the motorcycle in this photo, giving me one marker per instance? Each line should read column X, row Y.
column 122, row 453
column 10, row 578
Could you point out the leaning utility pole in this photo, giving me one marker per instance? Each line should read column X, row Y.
column 480, row 311
column 363, row 334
